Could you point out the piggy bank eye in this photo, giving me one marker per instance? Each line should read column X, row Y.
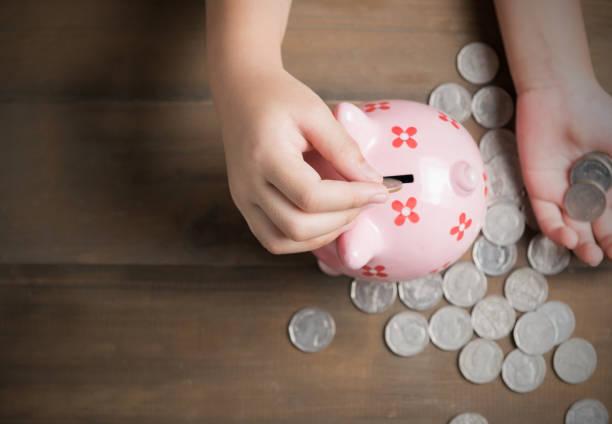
column 395, row 182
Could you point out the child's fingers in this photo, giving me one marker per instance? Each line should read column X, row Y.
column 552, row 225
column 304, row 187
column 274, row 241
column 602, row 227
column 332, row 141
column 589, row 253
column 296, row 224
column 586, row 249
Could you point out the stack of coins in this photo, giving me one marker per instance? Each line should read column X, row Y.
column 590, row 179
column 472, row 322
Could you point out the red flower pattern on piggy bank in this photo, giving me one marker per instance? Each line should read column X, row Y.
column 371, row 107
column 433, row 219
column 375, row 271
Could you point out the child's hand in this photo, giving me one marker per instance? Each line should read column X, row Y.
column 556, row 125
column 269, row 120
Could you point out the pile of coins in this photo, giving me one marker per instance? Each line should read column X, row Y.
column 542, row 326
column 590, row 179
column 536, row 324
column 491, row 106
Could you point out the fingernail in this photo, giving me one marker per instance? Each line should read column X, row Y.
column 379, row 198
column 368, row 172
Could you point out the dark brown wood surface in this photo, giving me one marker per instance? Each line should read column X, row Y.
column 130, row 288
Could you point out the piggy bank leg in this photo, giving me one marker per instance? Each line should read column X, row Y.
column 359, row 245
column 326, row 269
column 328, row 260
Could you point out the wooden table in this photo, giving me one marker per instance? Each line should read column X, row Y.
column 131, row 289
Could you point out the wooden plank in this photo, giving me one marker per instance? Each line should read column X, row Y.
column 208, row 344
column 202, row 338
column 118, row 183
column 142, row 49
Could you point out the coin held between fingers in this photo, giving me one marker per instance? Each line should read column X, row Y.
column 392, row 184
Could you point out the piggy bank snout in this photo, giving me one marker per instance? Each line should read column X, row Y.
column 464, row 178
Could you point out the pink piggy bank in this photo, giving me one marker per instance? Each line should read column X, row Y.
column 434, row 216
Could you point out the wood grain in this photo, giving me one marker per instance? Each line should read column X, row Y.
column 132, row 291
column 208, row 344
column 155, row 50
column 118, row 183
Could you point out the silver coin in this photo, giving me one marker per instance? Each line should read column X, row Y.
column 450, row 328
column 593, row 167
column 373, row 297
column 453, row 100
column 421, row 293
column 584, row 201
column 575, row 361
column 546, row 256
column 492, row 107
column 496, row 142
column 492, row 259
column 464, row 284
column 523, row 373
column 406, row 333
column 535, row 333
column 493, row 318
column 562, row 318
column 311, row 329
column 477, row 63
column 602, row 156
column 587, row 411
column 526, row 289
column 504, row 224
column 504, row 179
column 480, row 361
column 469, row 418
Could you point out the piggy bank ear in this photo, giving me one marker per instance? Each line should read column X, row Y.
column 359, row 126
